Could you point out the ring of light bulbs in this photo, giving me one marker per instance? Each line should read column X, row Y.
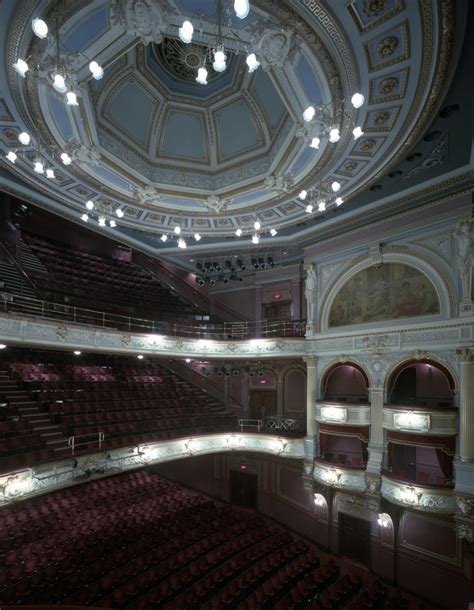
column 317, row 119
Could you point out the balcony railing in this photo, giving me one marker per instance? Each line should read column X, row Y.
column 421, row 497
column 439, row 421
column 285, row 425
column 17, row 304
column 347, row 413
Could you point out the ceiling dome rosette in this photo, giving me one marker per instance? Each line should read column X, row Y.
column 165, row 150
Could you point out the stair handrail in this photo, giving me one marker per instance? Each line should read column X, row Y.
column 250, row 423
column 71, row 441
column 20, row 269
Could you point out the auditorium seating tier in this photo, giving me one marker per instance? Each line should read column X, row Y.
column 48, row 397
column 137, row 541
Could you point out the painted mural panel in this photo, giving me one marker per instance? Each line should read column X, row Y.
column 384, row 292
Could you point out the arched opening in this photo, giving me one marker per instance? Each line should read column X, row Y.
column 346, row 382
column 421, row 383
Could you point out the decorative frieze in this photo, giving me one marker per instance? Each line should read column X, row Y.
column 350, row 414
column 435, row 500
column 342, row 478
column 437, row 422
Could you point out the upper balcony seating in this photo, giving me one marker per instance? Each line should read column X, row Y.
column 86, row 280
column 130, row 404
column 138, row 541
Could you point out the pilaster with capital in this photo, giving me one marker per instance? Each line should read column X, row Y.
column 376, row 440
column 464, row 465
column 311, row 440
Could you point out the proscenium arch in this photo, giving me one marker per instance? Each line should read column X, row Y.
column 440, row 281
column 400, row 365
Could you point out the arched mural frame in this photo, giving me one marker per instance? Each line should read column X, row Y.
column 439, row 279
column 284, row 375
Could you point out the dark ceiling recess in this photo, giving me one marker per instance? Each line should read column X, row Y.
column 447, row 111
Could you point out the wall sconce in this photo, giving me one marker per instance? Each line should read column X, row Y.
column 384, row 520
column 319, row 500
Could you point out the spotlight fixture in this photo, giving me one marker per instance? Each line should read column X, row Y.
column 77, row 353
column 339, row 201
column 90, row 205
column 336, row 186
column 85, row 217
column 357, row 100
column 71, row 98
column 197, row 237
column 252, row 62
column 38, row 167
column 11, row 156
column 140, row 356
column 255, row 239
column 177, row 230
column 101, row 221
column 241, row 8
column 119, row 212
column 334, row 135
column 164, row 238
column 186, row 32
column 201, row 77
column 96, row 70
column 257, row 225
column 50, row 174
column 315, row 142
column 21, row 67
column 303, row 194
column 357, row 132
column 321, row 206
column 309, row 209
column 182, row 243
column 273, row 232
column 238, row 232
column 66, row 159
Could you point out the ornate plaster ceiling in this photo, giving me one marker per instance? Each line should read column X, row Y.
column 166, row 150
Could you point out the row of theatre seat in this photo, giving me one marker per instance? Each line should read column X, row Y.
column 92, row 281
column 137, row 541
column 64, row 400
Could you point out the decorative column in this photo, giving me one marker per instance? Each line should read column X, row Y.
column 465, row 258
column 376, row 439
column 311, row 293
column 465, row 464
column 311, row 440
column 279, row 389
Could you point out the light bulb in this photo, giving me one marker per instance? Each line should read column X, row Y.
column 101, row 221
column 357, row 132
column 11, row 156
column 303, row 194
column 96, row 70
column 90, row 205
column 71, row 98
column 252, row 62
column 59, row 83
column 339, row 201
column 309, row 208
column 241, row 8
column 66, row 159
column 256, row 225
column 140, row 357
column 309, row 113
column 357, row 100
column 181, row 243
column 164, row 238
column 40, row 28
column 334, row 135
column 38, row 167
column 50, row 174
column 24, row 138
column 321, row 206
column 119, row 213
column 177, row 229
column 186, row 32
column 255, row 239
column 21, row 67
column 197, row 237
column 85, row 217
column 336, row 186
column 238, row 232
column 315, row 142
column 112, row 223
column 201, row 77
column 273, row 232
column 220, row 58
column 77, row 353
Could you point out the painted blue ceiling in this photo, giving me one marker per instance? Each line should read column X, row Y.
column 309, row 81
column 59, row 114
column 208, row 8
column 271, row 103
column 237, row 131
column 130, row 110
column 185, row 136
column 88, row 30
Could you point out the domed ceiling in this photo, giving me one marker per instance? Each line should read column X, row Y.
column 149, row 140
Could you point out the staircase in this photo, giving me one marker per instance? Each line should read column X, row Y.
column 28, row 410
column 28, row 259
column 12, row 280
